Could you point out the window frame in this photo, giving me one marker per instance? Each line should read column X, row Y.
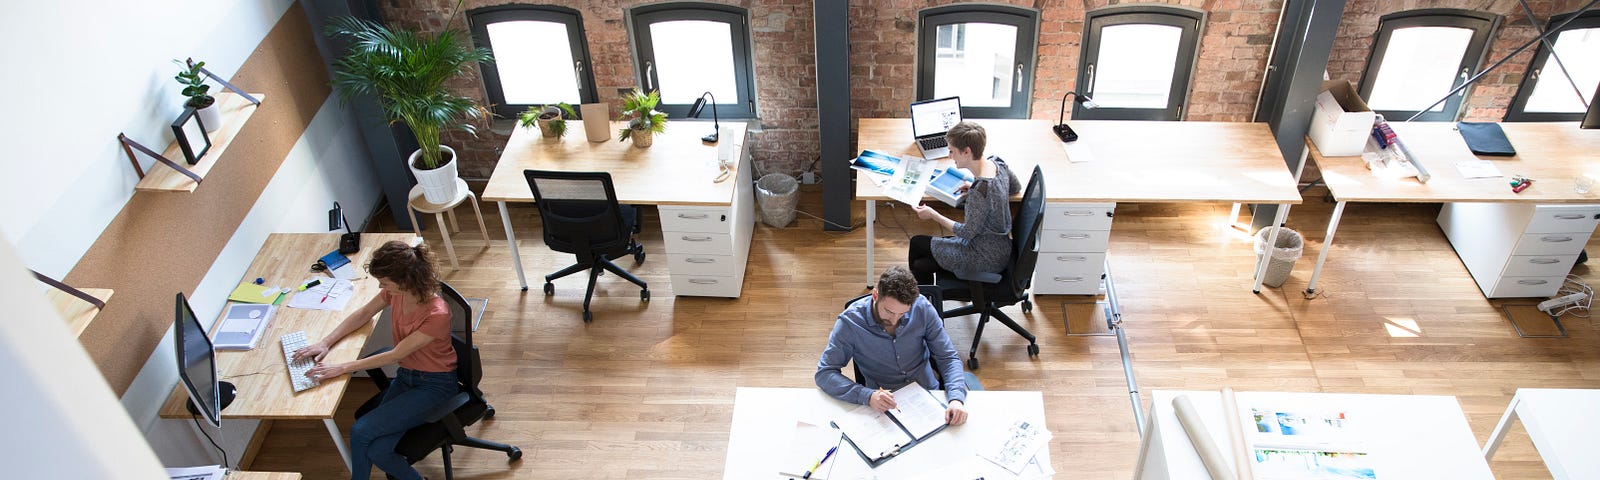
column 1514, row 113
column 1191, row 21
column 478, row 20
column 1483, row 26
column 1025, row 20
column 639, row 21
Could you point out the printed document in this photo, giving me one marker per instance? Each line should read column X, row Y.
column 337, row 293
column 880, row 436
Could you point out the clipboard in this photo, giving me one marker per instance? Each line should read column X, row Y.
column 874, row 459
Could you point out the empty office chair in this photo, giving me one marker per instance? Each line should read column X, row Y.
column 931, row 292
column 446, row 427
column 582, row 217
column 989, row 292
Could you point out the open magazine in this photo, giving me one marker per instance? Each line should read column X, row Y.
column 1305, row 441
column 904, row 179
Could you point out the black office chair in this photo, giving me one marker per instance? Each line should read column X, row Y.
column 933, row 296
column 446, row 426
column 989, row 292
column 582, row 217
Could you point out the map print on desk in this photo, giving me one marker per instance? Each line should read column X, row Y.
column 1022, row 441
column 1306, row 442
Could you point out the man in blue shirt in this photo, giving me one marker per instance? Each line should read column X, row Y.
column 896, row 338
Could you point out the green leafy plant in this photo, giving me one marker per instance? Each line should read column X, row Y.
column 639, row 109
column 556, row 114
column 407, row 71
column 194, row 84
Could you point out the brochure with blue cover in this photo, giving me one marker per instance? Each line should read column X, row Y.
column 946, row 185
column 873, row 161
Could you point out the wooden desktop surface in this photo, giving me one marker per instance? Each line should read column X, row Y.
column 1131, row 161
column 677, row 169
column 74, row 310
column 1552, row 154
column 260, row 373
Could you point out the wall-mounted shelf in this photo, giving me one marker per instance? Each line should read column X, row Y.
column 74, row 310
column 236, row 110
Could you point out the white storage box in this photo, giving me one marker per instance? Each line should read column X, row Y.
column 1342, row 121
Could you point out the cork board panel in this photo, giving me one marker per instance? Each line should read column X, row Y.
column 162, row 243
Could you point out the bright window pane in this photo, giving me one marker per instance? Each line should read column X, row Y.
column 1552, row 93
column 693, row 57
column 535, row 62
column 1136, row 65
column 1418, row 67
column 976, row 62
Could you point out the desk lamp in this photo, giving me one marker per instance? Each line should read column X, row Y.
column 698, row 107
column 1061, row 128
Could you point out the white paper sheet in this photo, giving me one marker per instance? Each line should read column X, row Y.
column 1477, row 169
column 338, row 294
column 918, row 410
column 1022, row 441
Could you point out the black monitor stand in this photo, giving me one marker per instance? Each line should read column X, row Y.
column 225, row 393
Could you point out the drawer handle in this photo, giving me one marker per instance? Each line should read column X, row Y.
column 1068, row 279
column 1072, row 259
column 1571, row 216
column 692, row 216
column 687, row 238
column 1555, row 239
column 1532, row 282
column 1072, row 213
column 703, row 281
column 1544, row 261
column 1074, row 236
column 700, row 260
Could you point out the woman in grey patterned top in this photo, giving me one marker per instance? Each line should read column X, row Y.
column 982, row 242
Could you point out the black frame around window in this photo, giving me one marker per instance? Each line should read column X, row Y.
column 743, row 64
column 479, row 20
column 1021, row 86
column 1482, row 25
column 1514, row 113
column 1190, row 21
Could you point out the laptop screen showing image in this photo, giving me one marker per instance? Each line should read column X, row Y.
column 934, row 117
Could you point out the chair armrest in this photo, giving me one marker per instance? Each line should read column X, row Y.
column 975, row 276
column 378, row 376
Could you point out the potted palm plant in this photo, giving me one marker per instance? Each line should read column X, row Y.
column 194, row 87
column 552, row 119
column 407, row 71
column 644, row 121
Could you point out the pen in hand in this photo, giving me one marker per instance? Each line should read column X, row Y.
column 814, row 466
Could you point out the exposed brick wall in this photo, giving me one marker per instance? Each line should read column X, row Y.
column 1487, row 99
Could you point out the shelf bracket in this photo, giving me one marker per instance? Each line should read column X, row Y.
column 225, row 83
column 68, row 288
column 128, row 146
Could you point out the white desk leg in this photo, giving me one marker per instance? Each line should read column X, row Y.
column 1500, row 429
column 1327, row 244
column 338, row 441
column 872, row 218
column 511, row 240
column 1272, row 239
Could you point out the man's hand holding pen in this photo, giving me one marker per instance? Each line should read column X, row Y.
column 881, row 400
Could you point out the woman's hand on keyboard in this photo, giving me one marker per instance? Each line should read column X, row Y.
column 313, row 351
column 322, row 373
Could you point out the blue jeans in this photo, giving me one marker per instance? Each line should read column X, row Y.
column 374, row 436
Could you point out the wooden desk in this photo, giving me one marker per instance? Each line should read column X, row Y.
column 1131, row 161
column 74, row 310
column 675, row 173
column 1552, row 154
column 1562, row 424
column 764, row 420
column 259, row 374
column 1406, row 436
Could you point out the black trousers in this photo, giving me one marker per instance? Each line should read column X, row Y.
column 920, row 260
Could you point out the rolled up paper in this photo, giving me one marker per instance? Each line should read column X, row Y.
column 1236, row 443
column 1215, row 463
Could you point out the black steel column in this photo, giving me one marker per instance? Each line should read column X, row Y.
column 1294, row 78
column 833, row 110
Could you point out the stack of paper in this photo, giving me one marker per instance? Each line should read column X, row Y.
column 330, row 294
column 214, row 472
column 242, row 326
column 252, row 293
column 807, row 447
column 1022, row 442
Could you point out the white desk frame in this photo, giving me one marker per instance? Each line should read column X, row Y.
column 1564, row 426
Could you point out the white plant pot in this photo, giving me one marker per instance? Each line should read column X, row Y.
column 439, row 184
column 211, row 116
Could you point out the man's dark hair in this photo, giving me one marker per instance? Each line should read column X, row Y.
column 899, row 284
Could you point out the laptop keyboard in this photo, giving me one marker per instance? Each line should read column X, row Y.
column 931, row 143
column 293, row 341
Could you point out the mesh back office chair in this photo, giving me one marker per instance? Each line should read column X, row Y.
column 932, row 293
column 448, row 420
column 582, row 217
column 989, row 292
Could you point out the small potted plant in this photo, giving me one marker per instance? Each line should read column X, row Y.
column 644, row 121
column 552, row 119
column 194, row 87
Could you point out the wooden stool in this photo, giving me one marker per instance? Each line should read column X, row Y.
column 420, row 204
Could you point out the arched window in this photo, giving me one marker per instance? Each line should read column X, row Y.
column 541, row 57
column 686, row 49
column 1419, row 56
column 981, row 53
column 1137, row 62
column 1546, row 95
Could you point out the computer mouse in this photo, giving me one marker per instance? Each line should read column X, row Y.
column 255, row 314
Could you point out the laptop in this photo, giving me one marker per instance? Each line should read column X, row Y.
column 930, row 119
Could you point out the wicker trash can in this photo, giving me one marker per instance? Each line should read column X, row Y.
column 777, row 195
column 1287, row 250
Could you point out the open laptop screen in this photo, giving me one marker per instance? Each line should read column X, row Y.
column 934, row 117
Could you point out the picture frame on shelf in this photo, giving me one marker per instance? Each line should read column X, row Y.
column 191, row 135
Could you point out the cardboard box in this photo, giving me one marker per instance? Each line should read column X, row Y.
column 1342, row 122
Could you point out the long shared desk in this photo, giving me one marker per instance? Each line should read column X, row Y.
column 1515, row 244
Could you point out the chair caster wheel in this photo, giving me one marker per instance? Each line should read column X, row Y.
column 489, row 413
column 638, row 258
column 1033, row 350
column 514, row 455
column 972, row 363
column 549, row 289
column 1027, row 306
column 644, row 295
column 588, row 317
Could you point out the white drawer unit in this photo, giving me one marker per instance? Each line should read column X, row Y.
column 1072, row 248
column 1518, row 250
column 708, row 246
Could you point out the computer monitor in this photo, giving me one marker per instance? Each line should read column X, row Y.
column 197, row 366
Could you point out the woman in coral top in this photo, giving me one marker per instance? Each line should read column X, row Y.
column 420, row 322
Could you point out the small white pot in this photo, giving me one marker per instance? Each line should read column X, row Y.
column 211, row 116
column 439, row 184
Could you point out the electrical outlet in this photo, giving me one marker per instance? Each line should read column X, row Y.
column 1562, row 301
column 808, row 177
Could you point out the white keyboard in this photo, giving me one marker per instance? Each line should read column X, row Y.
column 293, row 341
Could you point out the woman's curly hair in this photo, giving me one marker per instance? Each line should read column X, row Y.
column 409, row 267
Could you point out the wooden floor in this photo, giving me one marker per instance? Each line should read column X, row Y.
column 646, row 391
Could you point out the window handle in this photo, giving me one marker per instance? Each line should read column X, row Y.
column 1019, row 78
column 1463, row 76
column 577, row 75
column 649, row 71
column 1090, row 91
column 1536, row 73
